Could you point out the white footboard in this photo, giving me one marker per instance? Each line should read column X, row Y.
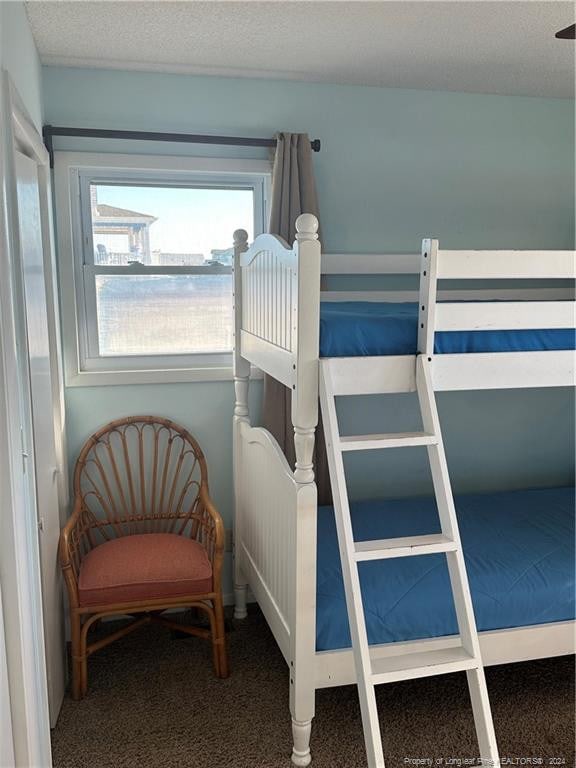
column 276, row 536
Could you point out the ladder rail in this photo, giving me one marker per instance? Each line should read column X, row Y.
column 351, row 577
column 456, row 564
column 447, row 509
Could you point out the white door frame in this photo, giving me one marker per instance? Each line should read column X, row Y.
column 34, row 264
column 20, row 579
column 6, row 740
column 26, row 138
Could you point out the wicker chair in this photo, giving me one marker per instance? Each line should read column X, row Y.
column 143, row 537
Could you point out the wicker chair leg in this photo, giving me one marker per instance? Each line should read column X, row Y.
column 84, row 675
column 213, row 635
column 220, row 639
column 83, row 661
column 76, row 657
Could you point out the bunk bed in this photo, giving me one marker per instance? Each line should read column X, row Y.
column 517, row 544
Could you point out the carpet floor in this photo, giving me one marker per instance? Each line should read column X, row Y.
column 153, row 702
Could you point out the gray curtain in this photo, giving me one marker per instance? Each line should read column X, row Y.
column 293, row 193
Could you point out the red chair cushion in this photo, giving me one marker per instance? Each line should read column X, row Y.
column 144, row 567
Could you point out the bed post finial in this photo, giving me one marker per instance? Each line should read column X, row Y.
column 241, row 239
column 306, row 227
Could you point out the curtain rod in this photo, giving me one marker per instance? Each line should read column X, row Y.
column 49, row 131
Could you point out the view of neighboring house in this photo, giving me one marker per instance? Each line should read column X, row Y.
column 122, row 236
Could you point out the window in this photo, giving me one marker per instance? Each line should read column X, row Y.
column 152, row 263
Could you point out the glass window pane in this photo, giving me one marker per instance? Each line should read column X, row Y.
column 167, row 226
column 164, row 315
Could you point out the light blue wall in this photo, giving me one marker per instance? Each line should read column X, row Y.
column 19, row 56
column 396, row 165
column 475, row 171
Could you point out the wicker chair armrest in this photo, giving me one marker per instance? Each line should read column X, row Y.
column 68, row 533
column 213, row 521
column 75, row 542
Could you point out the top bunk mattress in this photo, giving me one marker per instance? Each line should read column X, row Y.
column 370, row 328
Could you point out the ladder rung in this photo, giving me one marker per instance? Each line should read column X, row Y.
column 391, row 440
column 381, row 549
column 422, row 664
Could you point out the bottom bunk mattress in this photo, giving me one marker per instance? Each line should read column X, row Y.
column 519, row 550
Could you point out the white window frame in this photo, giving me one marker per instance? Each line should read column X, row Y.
column 74, row 172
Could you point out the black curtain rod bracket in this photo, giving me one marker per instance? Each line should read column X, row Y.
column 49, row 131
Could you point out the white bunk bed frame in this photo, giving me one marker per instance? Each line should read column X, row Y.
column 277, row 308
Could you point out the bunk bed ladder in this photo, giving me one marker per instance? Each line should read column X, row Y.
column 465, row 657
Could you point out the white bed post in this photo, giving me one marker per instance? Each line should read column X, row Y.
column 305, row 383
column 241, row 414
column 304, row 420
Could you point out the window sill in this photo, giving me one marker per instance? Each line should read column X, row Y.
column 156, row 376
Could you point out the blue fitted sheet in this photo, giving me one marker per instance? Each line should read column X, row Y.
column 519, row 550
column 358, row 328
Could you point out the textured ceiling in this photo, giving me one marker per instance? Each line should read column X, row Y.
column 484, row 47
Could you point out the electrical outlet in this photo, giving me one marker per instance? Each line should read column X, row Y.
column 229, row 539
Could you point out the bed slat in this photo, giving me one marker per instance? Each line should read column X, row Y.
column 503, row 370
column 509, row 315
column 370, row 263
column 372, row 375
column 506, row 265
